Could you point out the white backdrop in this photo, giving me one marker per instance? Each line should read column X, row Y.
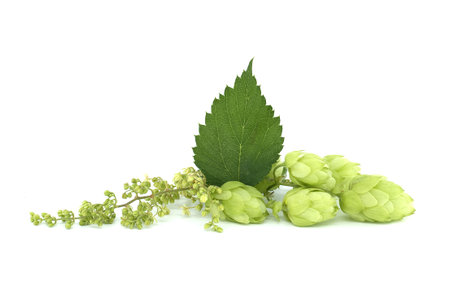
column 93, row 93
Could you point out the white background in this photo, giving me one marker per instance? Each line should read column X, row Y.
column 94, row 93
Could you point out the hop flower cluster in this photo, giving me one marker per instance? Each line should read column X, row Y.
column 67, row 217
column 320, row 182
column 141, row 216
column 192, row 184
column 44, row 217
column 152, row 195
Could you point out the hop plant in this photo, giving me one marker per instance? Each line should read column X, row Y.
column 242, row 203
column 309, row 206
column 307, row 169
column 372, row 198
column 342, row 171
column 241, row 139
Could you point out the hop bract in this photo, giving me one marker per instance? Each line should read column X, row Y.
column 372, row 198
column 242, row 203
column 342, row 170
column 309, row 169
column 309, row 206
column 277, row 173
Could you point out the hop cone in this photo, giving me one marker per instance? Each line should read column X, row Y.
column 268, row 182
column 342, row 170
column 372, row 198
column 309, row 169
column 309, row 206
column 242, row 203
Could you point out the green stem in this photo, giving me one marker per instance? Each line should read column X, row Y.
column 151, row 196
column 74, row 218
column 276, row 183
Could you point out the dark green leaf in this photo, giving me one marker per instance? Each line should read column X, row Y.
column 241, row 138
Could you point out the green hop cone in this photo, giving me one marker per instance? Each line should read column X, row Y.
column 309, row 206
column 372, row 198
column 242, row 203
column 309, row 169
column 277, row 173
column 342, row 170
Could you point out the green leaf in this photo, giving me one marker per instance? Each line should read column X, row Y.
column 241, row 138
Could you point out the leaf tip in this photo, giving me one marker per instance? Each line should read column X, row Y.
column 250, row 66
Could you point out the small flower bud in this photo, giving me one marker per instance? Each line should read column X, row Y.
column 203, row 198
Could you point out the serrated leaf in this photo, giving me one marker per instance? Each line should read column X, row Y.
column 241, row 138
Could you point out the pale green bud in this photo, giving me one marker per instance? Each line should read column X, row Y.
column 309, row 206
column 309, row 169
column 342, row 170
column 276, row 174
column 207, row 225
column 242, row 203
column 372, row 198
column 203, row 198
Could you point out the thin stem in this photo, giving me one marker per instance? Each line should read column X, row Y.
column 151, row 196
column 74, row 218
column 275, row 178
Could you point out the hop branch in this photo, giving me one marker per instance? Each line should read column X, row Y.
column 153, row 196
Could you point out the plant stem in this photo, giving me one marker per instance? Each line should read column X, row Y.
column 151, row 196
column 74, row 218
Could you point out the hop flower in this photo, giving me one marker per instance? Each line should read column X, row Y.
column 342, row 170
column 242, row 203
column 276, row 174
column 309, row 206
column 309, row 169
column 372, row 198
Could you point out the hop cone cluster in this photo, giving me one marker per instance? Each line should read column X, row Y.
column 372, row 198
column 369, row 198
